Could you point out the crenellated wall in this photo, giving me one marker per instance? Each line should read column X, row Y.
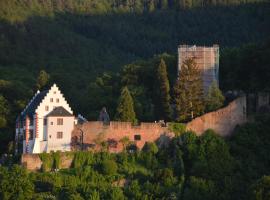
column 95, row 132
column 223, row 121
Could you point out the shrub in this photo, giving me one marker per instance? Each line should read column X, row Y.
column 47, row 161
column 177, row 128
column 109, row 167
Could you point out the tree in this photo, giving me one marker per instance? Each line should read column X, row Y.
column 214, row 98
column 42, row 79
column 188, row 92
column 125, row 141
column 109, row 167
column 125, row 110
column 199, row 188
column 261, row 189
column 4, row 110
column 150, row 147
column 164, row 106
column 15, row 184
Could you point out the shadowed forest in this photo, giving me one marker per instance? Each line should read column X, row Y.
column 93, row 48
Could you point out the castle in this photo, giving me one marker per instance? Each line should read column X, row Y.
column 47, row 123
column 206, row 59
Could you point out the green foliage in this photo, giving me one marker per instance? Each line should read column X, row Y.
column 164, row 107
column 56, row 160
column 15, row 184
column 261, row 189
column 150, row 147
column 188, row 92
column 42, row 80
column 190, row 167
column 165, row 176
column 83, row 158
column 117, row 194
column 200, row 189
column 109, row 167
column 4, row 111
column 214, row 99
column 47, row 161
column 177, row 128
column 125, row 110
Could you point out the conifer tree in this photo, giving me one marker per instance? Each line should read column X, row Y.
column 188, row 92
column 164, row 107
column 214, row 99
column 125, row 110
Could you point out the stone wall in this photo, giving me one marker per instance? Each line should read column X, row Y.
column 31, row 162
column 95, row 132
column 223, row 121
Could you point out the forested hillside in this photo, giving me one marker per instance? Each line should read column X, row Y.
column 84, row 46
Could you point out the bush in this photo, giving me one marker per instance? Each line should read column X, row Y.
column 109, row 167
column 177, row 128
column 47, row 161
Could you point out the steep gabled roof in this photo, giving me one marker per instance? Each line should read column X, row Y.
column 59, row 112
column 31, row 108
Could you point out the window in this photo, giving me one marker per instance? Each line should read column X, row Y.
column 45, row 122
column 57, row 100
column 137, row 137
column 51, row 123
column 51, row 99
column 46, row 108
column 59, row 121
column 59, row 135
column 54, row 92
column 31, row 134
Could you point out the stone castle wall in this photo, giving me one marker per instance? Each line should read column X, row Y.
column 95, row 132
column 223, row 121
column 33, row 162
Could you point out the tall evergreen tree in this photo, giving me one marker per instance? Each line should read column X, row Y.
column 188, row 92
column 125, row 110
column 164, row 107
column 42, row 80
column 214, row 98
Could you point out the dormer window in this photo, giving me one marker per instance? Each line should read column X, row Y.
column 51, row 99
column 46, row 108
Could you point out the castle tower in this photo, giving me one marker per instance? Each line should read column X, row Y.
column 206, row 58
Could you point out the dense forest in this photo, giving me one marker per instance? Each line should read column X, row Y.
column 190, row 168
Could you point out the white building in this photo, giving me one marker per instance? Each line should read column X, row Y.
column 45, row 124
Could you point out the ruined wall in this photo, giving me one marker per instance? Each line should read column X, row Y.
column 223, row 121
column 31, row 161
column 95, row 132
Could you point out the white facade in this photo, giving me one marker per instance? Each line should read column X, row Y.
column 37, row 127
